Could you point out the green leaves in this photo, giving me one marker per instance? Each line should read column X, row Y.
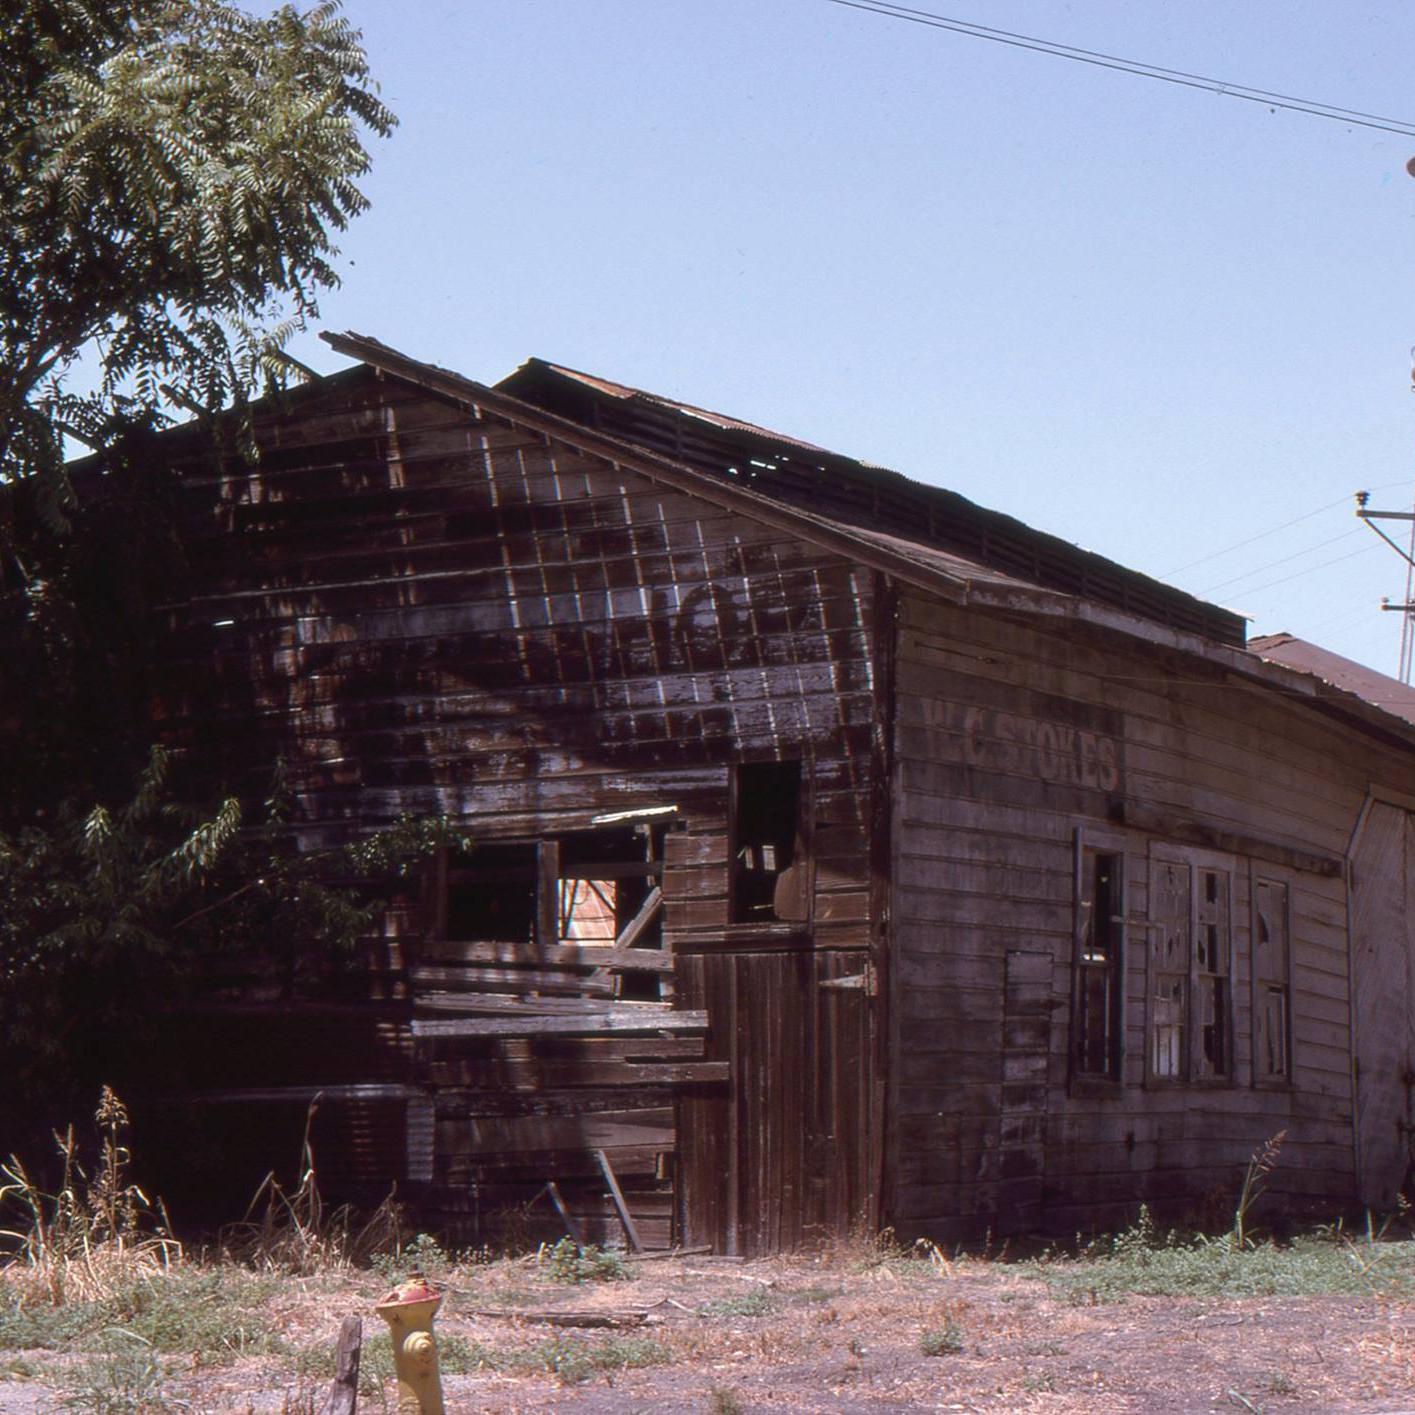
column 171, row 173
column 112, row 911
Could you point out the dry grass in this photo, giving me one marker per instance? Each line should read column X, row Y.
column 294, row 1231
column 94, row 1234
column 802, row 1333
column 99, row 1302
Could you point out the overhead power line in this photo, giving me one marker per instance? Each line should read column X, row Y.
column 1260, row 535
column 1267, row 565
column 1353, row 117
column 1298, row 574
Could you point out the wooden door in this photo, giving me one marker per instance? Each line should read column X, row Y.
column 1382, row 873
column 780, row 1158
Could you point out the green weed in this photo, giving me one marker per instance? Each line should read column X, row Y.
column 1260, row 1165
column 749, row 1304
column 1144, row 1261
column 213, row 1316
column 946, row 1340
column 568, row 1261
column 424, row 1254
column 126, row 1380
column 576, row 1361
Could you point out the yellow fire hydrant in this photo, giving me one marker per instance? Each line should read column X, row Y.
column 409, row 1311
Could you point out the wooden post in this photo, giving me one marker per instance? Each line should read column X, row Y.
column 553, row 1189
column 344, row 1392
column 548, row 894
column 615, row 1193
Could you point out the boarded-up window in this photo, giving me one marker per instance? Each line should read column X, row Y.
column 1272, row 1058
column 1190, row 1025
column 1097, row 1025
column 766, row 802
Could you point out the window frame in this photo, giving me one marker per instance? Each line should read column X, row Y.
column 802, row 854
column 1089, row 846
column 1195, row 861
column 1261, row 876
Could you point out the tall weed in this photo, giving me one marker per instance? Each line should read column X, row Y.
column 93, row 1235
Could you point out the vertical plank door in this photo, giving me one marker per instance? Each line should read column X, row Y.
column 1381, row 947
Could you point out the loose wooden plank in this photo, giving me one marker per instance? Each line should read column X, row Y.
column 506, row 979
column 506, row 1004
column 635, row 929
column 539, row 1075
column 620, row 1020
column 586, row 956
column 620, row 1318
column 481, row 1138
column 552, row 1189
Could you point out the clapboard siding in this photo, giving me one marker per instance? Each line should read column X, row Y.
column 450, row 603
column 1008, row 739
column 422, row 608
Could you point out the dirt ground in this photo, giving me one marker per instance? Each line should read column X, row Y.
column 824, row 1334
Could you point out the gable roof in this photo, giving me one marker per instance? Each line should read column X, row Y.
column 924, row 535
column 910, row 558
column 862, row 496
column 523, row 381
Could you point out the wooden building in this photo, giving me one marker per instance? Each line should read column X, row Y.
column 847, row 854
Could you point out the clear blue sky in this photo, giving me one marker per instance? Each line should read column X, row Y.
column 1150, row 320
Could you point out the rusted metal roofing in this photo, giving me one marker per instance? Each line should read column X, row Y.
column 625, row 392
column 1388, row 694
column 862, row 496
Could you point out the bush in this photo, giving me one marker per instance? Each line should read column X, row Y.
column 570, row 1262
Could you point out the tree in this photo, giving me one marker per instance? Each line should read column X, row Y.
column 109, row 914
column 171, row 172
column 172, row 175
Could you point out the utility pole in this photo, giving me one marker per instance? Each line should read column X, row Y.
column 1406, row 609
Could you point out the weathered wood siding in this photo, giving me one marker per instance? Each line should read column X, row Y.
column 428, row 610
column 1010, row 738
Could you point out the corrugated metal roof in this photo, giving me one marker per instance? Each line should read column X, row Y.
column 623, row 390
column 914, row 518
column 1388, row 694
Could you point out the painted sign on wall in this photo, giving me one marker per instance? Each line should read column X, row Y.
column 1053, row 751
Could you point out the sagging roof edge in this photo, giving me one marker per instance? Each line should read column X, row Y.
column 837, row 539
column 752, row 440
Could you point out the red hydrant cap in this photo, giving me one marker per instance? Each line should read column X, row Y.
column 416, row 1289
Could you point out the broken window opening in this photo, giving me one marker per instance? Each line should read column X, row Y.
column 1211, row 975
column 1098, row 1024
column 577, row 913
column 588, row 911
column 1272, row 983
column 492, row 897
column 765, row 876
column 1190, row 1014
